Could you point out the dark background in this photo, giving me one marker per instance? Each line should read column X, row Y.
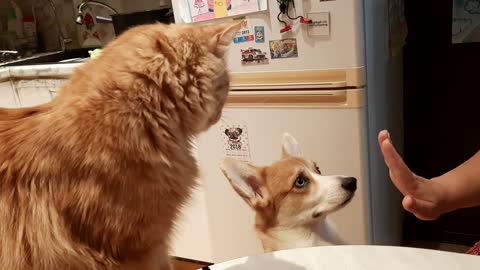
column 441, row 112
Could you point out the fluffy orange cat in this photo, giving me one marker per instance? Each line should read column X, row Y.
column 95, row 178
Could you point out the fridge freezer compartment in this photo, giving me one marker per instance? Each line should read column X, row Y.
column 299, row 98
column 306, row 79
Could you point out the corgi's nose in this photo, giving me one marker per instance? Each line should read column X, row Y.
column 349, row 183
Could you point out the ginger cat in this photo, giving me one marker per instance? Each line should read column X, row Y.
column 95, row 178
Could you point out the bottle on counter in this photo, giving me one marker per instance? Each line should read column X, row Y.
column 15, row 19
column 30, row 32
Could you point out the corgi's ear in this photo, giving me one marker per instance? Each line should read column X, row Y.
column 290, row 146
column 247, row 181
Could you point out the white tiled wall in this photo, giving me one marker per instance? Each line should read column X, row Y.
column 32, row 96
column 26, row 93
column 7, row 95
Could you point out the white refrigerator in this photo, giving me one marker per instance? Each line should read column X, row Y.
column 314, row 86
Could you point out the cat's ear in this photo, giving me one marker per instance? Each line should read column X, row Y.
column 230, row 30
column 225, row 34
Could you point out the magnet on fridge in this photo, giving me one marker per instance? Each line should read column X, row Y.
column 284, row 48
column 320, row 25
column 235, row 141
column 245, row 33
column 220, row 8
column 253, row 56
column 259, row 34
column 243, row 39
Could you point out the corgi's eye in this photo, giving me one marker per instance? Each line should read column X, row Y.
column 301, row 182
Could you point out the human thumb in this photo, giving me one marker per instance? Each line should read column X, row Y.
column 423, row 210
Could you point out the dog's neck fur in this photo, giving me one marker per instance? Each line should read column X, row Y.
column 319, row 232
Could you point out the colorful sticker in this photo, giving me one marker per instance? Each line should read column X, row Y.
column 205, row 10
column 235, row 141
column 220, row 8
column 198, row 6
column 245, row 34
column 285, row 48
column 259, row 34
column 254, row 56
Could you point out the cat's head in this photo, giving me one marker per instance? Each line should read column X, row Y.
column 216, row 40
column 179, row 69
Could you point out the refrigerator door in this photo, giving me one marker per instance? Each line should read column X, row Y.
column 218, row 225
column 342, row 49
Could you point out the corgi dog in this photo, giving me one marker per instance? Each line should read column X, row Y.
column 291, row 198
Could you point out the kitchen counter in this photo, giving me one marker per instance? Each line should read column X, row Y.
column 51, row 58
column 37, row 71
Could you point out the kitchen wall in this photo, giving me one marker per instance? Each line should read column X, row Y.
column 47, row 25
column 101, row 34
column 144, row 4
column 95, row 34
column 82, row 36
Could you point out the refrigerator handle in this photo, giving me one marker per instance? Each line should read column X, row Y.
column 351, row 78
column 301, row 98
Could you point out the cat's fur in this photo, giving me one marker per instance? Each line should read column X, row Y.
column 95, row 178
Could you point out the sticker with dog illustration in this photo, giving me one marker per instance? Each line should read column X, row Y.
column 235, row 141
column 285, row 48
column 259, row 34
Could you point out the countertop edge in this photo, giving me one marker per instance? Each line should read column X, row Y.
column 37, row 71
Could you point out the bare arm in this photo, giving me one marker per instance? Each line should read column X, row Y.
column 428, row 199
column 462, row 184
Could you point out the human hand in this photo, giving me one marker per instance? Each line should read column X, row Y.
column 422, row 197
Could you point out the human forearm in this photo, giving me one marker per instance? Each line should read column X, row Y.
column 461, row 185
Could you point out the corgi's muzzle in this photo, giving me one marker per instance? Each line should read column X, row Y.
column 350, row 185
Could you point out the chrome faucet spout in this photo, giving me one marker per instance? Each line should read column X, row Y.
column 79, row 20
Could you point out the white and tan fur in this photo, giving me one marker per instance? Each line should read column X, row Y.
column 291, row 198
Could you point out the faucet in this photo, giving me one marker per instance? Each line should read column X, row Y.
column 79, row 19
column 63, row 40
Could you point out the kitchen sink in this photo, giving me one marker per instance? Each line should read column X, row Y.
column 65, row 57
